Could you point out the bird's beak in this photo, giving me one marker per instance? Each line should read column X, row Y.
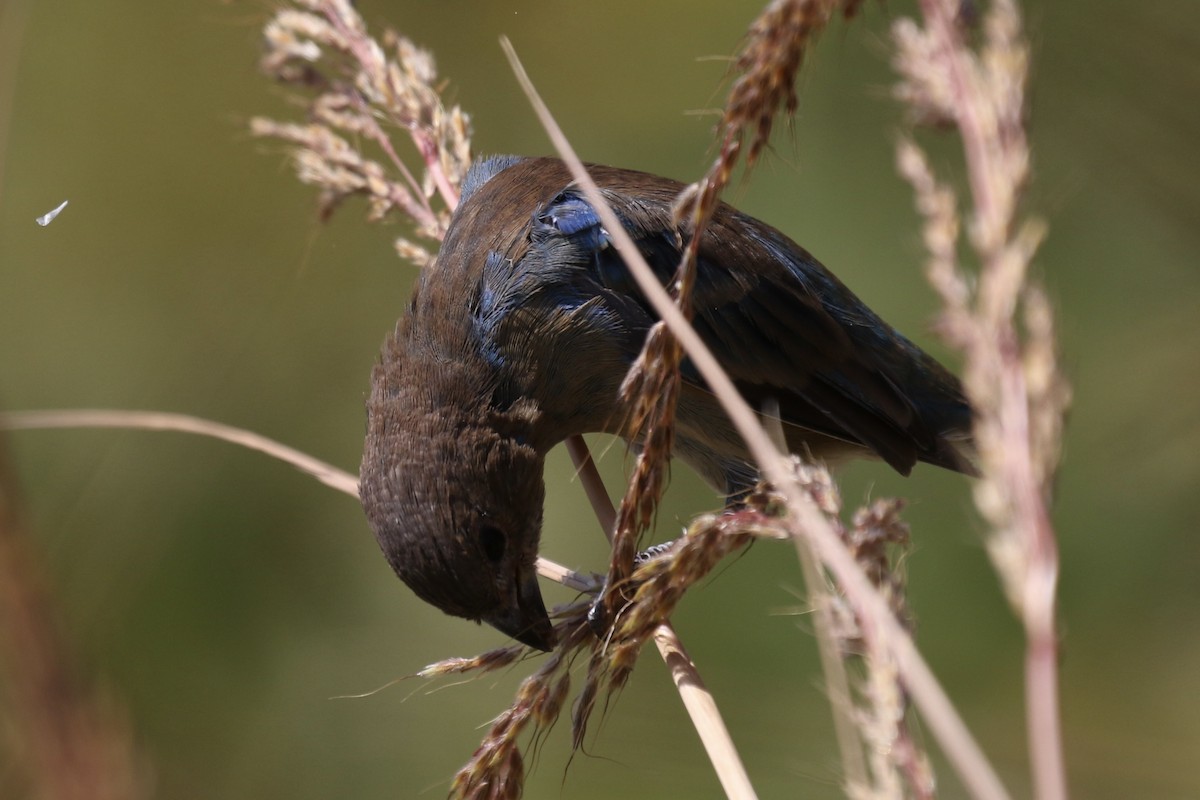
column 526, row 619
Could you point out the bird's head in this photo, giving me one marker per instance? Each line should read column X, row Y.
column 456, row 505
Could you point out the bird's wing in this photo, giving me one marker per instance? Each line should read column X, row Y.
column 783, row 327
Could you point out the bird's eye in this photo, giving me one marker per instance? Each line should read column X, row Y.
column 493, row 541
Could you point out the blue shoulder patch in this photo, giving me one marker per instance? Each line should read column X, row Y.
column 573, row 217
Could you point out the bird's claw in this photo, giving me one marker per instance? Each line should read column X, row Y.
column 598, row 615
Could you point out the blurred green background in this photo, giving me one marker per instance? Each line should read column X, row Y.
column 225, row 599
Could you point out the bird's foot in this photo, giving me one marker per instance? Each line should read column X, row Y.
column 598, row 614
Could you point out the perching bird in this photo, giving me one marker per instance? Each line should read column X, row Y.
column 522, row 331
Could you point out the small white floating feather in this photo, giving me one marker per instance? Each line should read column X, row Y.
column 48, row 217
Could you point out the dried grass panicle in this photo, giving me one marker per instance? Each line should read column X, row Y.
column 585, row 701
column 658, row 584
column 496, row 771
column 413, row 252
column 483, row 663
column 650, row 391
column 938, row 206
column 877, row 530
column 872, row 538
column 652, row 592
column 999, row 317
column 768, row 63
column 360, row 89
column 1049, row 393
column 815, row 481
column 925, row 90
column 497, row 768
column 1011, row 373
column 899, row 765
column 896, row 765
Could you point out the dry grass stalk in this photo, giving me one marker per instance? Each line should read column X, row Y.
column 181, row 423
column 999, row 318
column 896, row 764
column 767, row 66
column 324, row 472
column 805, row 520
column 361, row 88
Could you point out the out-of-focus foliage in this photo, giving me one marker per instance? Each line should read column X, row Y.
column 226, row 599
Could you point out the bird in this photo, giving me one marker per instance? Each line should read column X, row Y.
column 521, row 332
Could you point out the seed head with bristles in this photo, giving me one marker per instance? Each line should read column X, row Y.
column 361, row 90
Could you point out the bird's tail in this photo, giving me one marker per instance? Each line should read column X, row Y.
column 955, row 450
